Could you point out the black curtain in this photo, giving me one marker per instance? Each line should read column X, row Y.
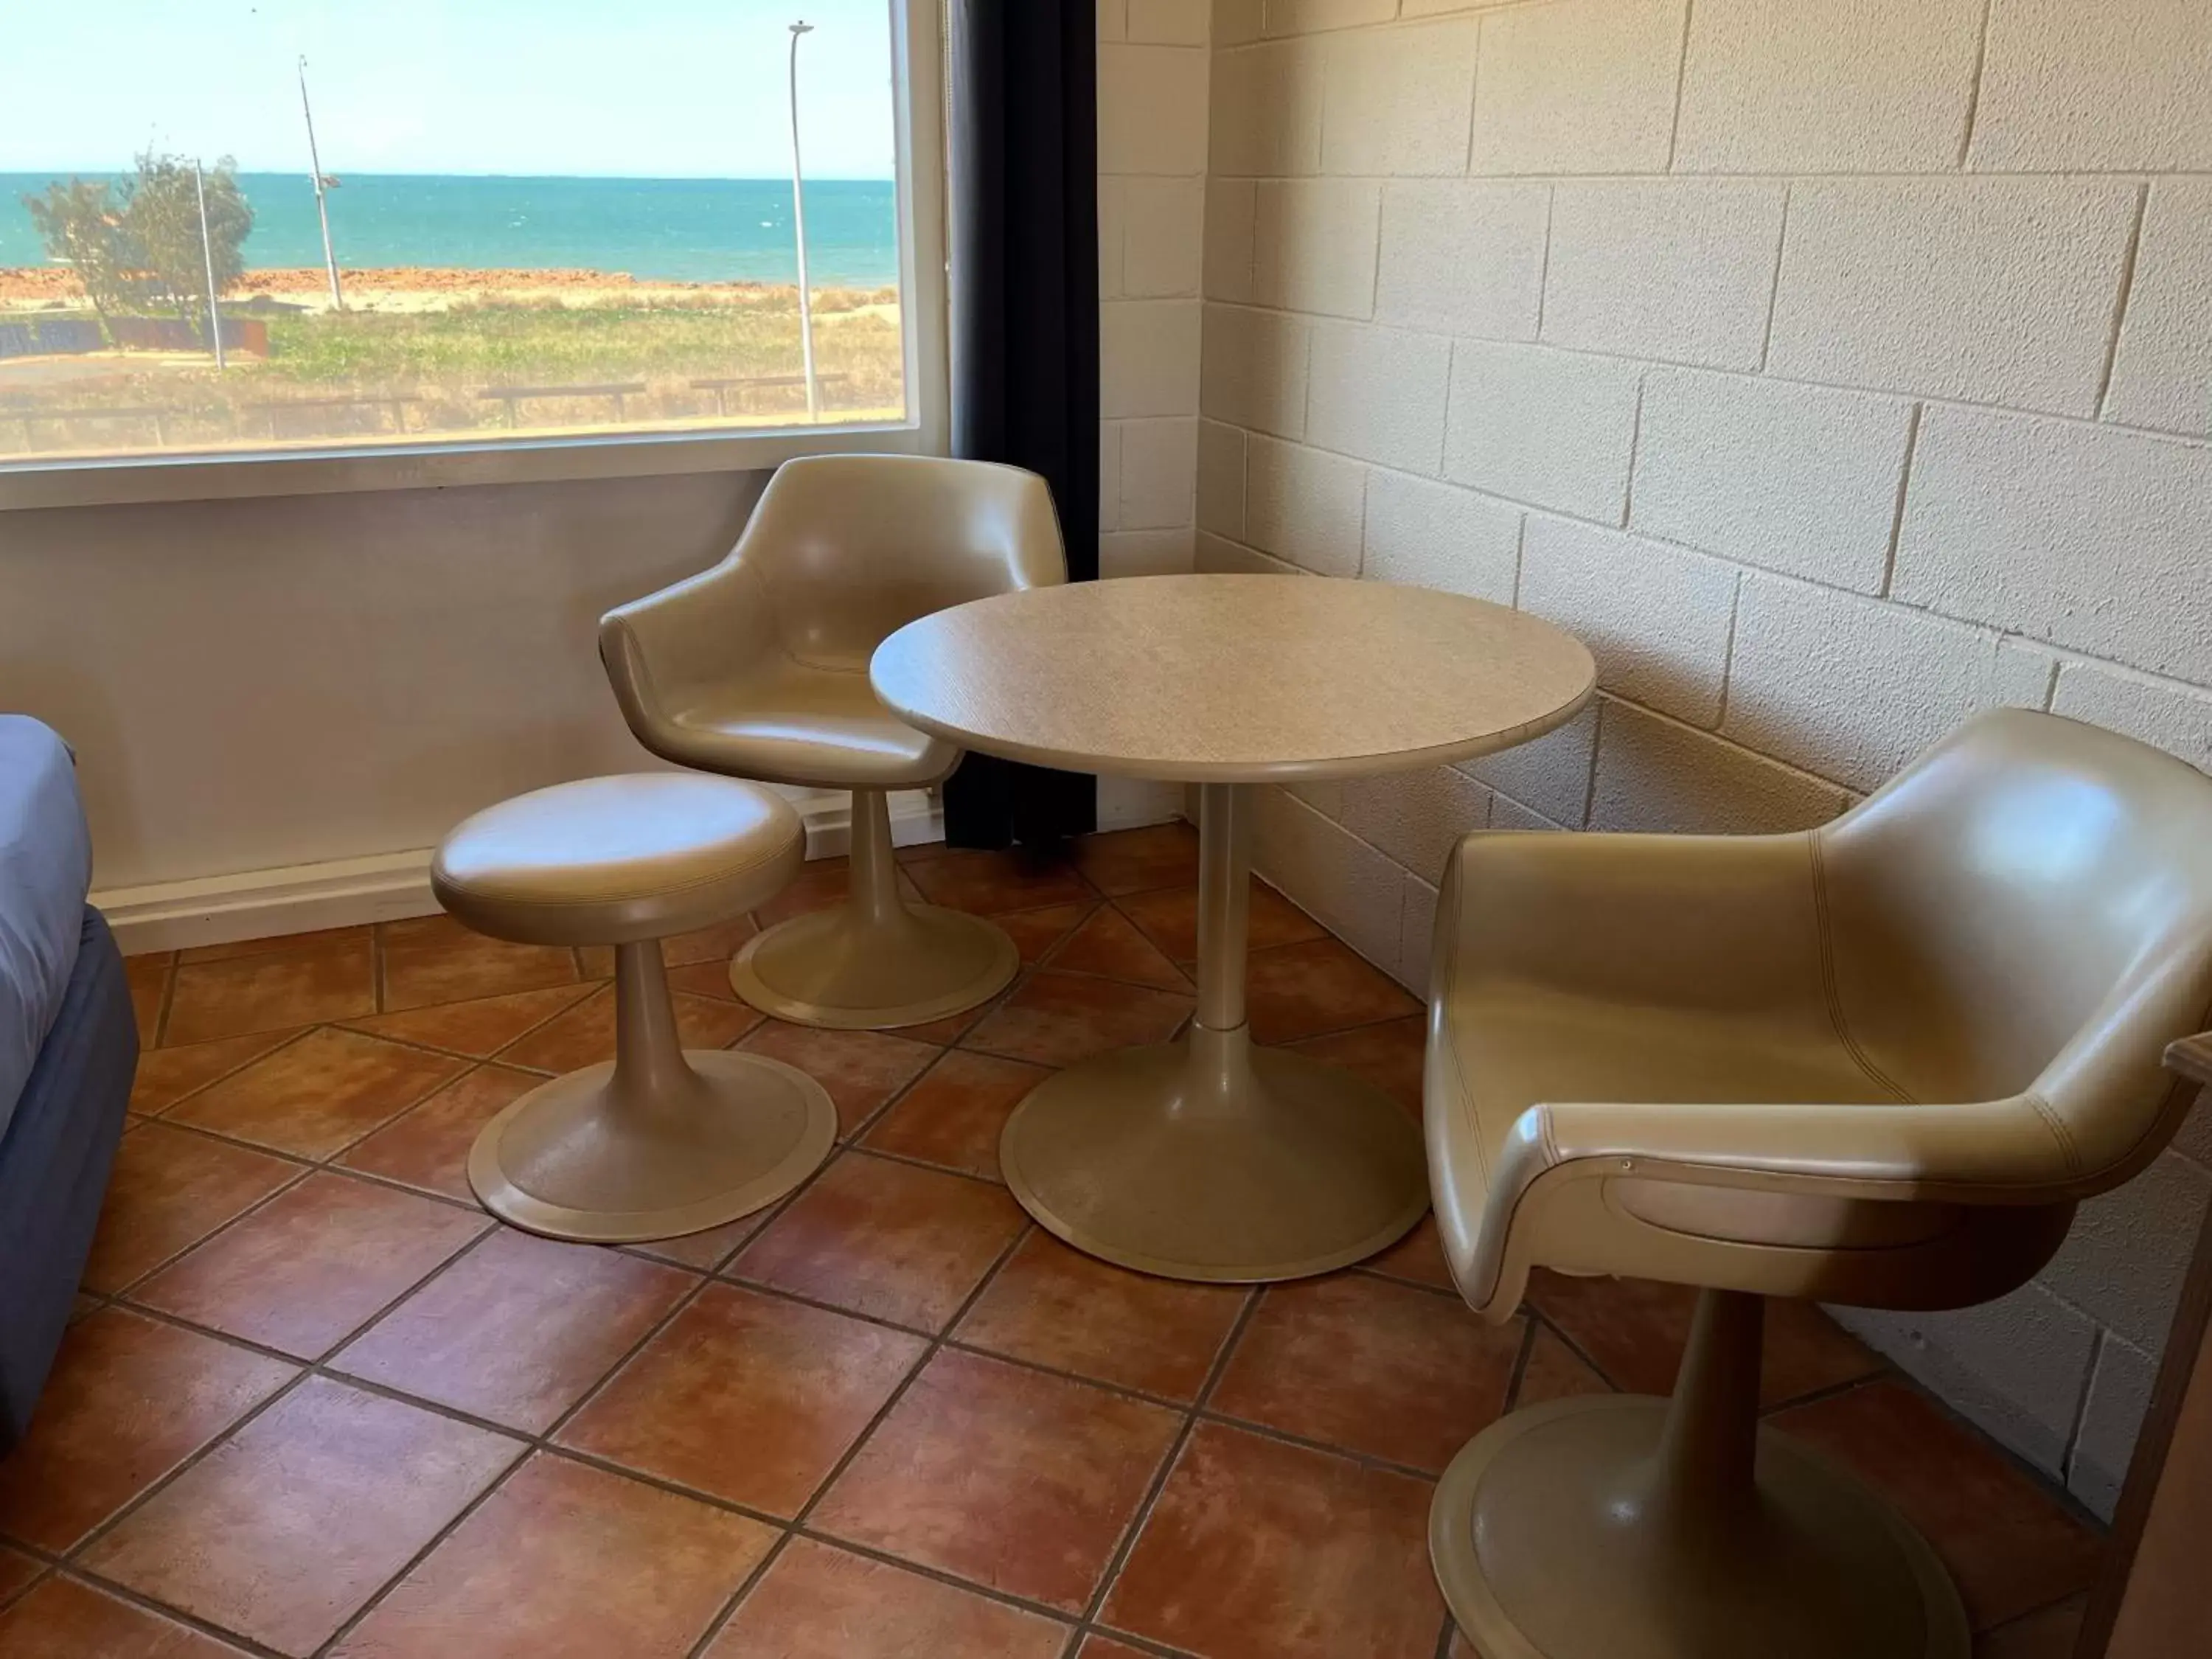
column 1023, row 76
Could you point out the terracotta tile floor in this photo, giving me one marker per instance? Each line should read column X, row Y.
column 315, row 1403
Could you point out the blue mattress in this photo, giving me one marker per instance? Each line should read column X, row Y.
column 55, row 1157
column 45, row 868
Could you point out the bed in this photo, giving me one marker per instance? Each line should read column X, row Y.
column 68, row 1047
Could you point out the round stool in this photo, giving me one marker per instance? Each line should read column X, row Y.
column 663, row 1141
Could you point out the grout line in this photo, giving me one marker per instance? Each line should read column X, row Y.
column 1974, row 86
column 1682, row 85
column 2128, row 262
column 1904, row 494
column 1727, row 653
column 1774, row 293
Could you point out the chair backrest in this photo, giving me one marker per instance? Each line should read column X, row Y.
column 2027, row 907
column 854, row 547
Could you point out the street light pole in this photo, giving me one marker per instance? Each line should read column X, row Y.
column 322, row 207
column 207, row 248
column 798, row 223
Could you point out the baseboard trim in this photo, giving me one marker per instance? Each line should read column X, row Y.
column 302, row 898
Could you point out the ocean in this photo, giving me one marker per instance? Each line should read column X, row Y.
column 676, row 229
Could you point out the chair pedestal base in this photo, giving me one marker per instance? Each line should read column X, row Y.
column 848, row 970
column 875, row 962
column 1633, row 1529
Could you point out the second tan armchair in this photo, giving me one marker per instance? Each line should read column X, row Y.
column 758, row 669
column 1878, row 1064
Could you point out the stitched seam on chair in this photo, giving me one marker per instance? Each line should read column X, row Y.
column 2067, row 1150
column 1829, row 987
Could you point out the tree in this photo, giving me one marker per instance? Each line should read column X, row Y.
column 82, row 222
column 138, row 247
column 161, row 223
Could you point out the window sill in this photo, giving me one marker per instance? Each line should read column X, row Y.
column 102, row 482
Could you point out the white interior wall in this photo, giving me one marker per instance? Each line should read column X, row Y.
column 1833, row 370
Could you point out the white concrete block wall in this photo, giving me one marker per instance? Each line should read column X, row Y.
column 1836, row 370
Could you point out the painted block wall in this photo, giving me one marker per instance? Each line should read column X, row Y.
column 1835, row 370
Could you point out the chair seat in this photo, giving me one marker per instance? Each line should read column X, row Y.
column 814, row 726
column 613, row 860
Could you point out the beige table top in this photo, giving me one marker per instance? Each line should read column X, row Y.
column 1233, row 679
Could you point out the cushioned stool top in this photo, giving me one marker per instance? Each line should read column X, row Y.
column 610, row 860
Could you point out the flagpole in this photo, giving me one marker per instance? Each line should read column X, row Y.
column 799, row 221
column 207, row 247
column 322, row 206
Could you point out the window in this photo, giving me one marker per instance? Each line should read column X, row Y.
column 252, row 246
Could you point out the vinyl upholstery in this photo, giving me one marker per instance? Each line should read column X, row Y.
column 615, row 860
column 758, row 668
column 1876, row 1063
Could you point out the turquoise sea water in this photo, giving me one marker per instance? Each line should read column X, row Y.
column 680, row 229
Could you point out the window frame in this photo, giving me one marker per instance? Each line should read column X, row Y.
column 918, row 97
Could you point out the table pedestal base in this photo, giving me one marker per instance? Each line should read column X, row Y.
column 1211, row 1160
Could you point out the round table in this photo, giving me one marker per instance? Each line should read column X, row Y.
column 1207, row 1158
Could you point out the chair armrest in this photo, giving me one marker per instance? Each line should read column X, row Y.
column 2192, row 1058
column 2008, row 1151
column 1682, row 920
column 663, row 651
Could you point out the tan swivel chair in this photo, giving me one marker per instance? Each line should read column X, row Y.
column 1877, row 1064
column 759, row 669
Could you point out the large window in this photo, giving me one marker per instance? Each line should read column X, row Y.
column 263, row 229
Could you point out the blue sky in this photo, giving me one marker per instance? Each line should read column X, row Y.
column 639, row 88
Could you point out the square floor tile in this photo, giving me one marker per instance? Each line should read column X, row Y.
column 271, row 990
column 747, row 1397
column 428, row 1146
column 148, row 978
column 1298, row 991
column 65, row 1619
column 1418, row 1258
column 169, row 1190
column 2010, row 1546
column 304, row 1270
column 956, row 1114
column 316, row 1096
column 1004, row 1476
column 1170, row 919
column 166, row 1076
column 2052, row 1633
column 1553, row 1371
column 986, row 884
column 585, row 1034
column 519, row 1330
column 1054, row 1306
column 433, row 959
column 1389, row 1055
column 1062, row 1019
column 1139, row 861
column 860, row 1069
column 567, row 1561
column 818, row 1602
column 1036, row 932
column 1259, row 1550
column 129, row 1399
column 282, row 1532
column 479, row 1028
column 885, row 1239
column 17, row 1572
column 1371, row 1366
column 705, row 1252
column 315, row 939
column 1109, row 945
column 1635, row 1329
